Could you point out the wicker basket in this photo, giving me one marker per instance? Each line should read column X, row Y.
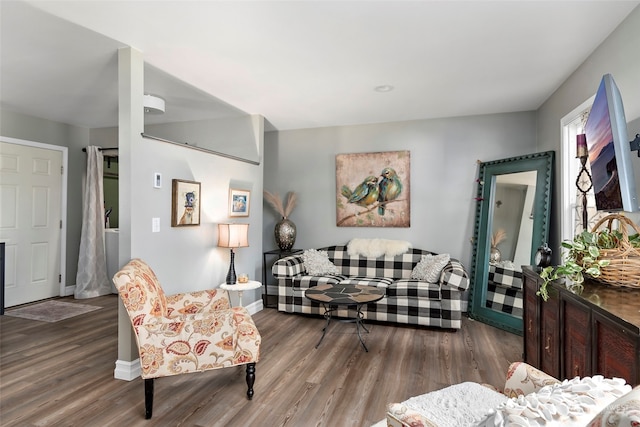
column 624, row 269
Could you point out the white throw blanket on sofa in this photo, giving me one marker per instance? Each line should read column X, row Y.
column 374, row 248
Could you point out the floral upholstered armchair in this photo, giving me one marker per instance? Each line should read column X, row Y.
column 183, row 333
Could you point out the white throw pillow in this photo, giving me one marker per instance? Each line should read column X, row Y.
column 429, row 267
column 317, row 263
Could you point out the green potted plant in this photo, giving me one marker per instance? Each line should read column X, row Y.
column 582, row 257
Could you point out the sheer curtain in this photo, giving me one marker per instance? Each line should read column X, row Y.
column 92, row 280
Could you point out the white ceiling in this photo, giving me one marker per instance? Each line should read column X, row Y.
column 301, row 64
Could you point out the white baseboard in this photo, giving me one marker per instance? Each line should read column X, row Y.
column 127, row 371
column 69, row 290
column 255, row 306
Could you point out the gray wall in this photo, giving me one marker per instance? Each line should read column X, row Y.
column 617, row 55
column 444, row 155
column 20, row 126
column 185, row 258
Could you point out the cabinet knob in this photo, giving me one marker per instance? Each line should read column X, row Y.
column 576, row 371
column 530, row 325
column 548, row 343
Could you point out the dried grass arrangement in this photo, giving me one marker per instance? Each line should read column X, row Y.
column 498, row 237
column 284, row 209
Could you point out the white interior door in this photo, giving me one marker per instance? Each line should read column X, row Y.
column 30, row 221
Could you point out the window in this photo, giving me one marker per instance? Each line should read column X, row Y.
column 571, row 199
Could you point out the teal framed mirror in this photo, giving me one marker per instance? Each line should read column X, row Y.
column 512, row 222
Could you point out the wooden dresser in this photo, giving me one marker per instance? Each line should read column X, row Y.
column 596, row 331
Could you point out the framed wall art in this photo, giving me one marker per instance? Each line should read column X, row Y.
column 373, row 189
column 239, row 201
column 185, row 203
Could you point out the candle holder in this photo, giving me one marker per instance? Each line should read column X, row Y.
column 584, row 177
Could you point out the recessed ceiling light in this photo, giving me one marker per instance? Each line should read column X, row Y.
column 383, row 88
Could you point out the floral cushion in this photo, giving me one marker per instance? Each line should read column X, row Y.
column 187, row 332
column 625, row 411
column 524, row 379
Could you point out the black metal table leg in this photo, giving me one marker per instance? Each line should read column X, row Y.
column 327, row 315
column 359, row 317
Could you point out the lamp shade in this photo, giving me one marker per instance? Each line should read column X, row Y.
column 233, row 235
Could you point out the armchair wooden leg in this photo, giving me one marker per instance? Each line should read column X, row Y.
column 251, row 378
column 148, row 398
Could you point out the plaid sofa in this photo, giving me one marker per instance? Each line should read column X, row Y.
column 504, row 290
column 407, row 300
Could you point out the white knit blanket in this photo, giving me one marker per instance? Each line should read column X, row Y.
column 459, row 405
column 374, row 248
column 569, row 403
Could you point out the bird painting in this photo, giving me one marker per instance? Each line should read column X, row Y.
column 373, row 189
column 365, row 193
column 389, row 188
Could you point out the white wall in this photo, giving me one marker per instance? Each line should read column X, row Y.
column 617, row 55
column 187, row 258
column 444, row 155
column 21, row 126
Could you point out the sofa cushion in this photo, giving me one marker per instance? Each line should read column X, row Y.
column 306, row 281
column 317, row 263
column 378, row 282
column 430, row 267
column 523, row 378
column 625, row 411
column 414, row 288
column 505, row 277
column 396, row 267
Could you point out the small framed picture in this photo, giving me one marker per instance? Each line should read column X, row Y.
column 239, row 201
column 185, row 203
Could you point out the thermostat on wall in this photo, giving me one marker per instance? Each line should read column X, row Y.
column 157, row 180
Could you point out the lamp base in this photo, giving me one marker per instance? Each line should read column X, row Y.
column 231, row 275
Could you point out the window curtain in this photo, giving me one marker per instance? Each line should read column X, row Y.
column 92, row 280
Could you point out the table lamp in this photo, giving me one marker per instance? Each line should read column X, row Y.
column 233, row 236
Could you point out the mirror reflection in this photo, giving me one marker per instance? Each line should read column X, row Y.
column 510, row 240
column 511, row 223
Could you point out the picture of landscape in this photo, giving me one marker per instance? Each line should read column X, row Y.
column 602, row 156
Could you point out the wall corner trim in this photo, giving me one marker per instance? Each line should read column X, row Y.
column 127, row 371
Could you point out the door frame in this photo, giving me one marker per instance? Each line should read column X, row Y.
column 63, row 204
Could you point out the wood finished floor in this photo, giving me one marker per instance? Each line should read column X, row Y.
column 61, row 374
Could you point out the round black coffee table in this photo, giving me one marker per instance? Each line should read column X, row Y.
column 333, row 296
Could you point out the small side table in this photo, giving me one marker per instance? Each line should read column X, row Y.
column 240, row 288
